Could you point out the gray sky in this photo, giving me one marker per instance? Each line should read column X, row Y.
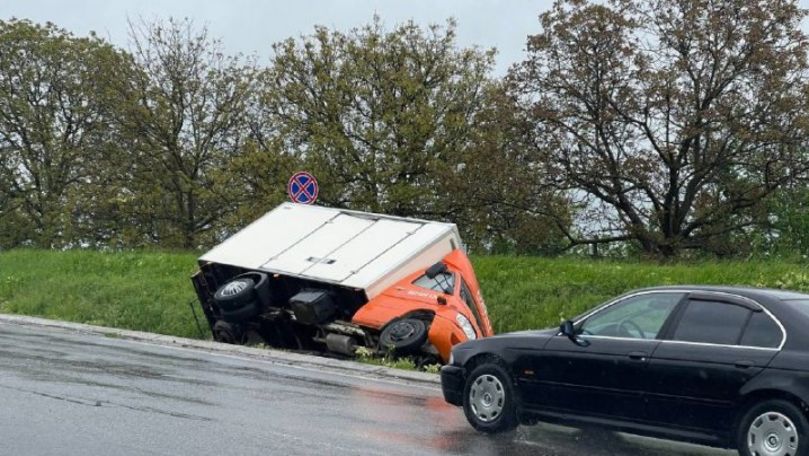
column 251, row 26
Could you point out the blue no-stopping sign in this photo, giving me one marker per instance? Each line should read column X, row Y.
column 302, row 188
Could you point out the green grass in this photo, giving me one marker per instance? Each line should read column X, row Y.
column 141, row 291
column 528, row 292
column 150, row 291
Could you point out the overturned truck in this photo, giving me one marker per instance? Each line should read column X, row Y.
column 317, row 278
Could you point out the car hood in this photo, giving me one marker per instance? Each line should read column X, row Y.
column 531, row 332
column 511, row 339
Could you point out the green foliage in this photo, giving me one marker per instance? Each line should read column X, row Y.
column 672, row 121
column 181, row 108
column 53, row 129
column 364, row 355
column 131, row 290
column 793, row 280
column 525, row 292
column 150, row 291
column 626, row 140
column 376, row 114
column 789, row 214
column 401, row 122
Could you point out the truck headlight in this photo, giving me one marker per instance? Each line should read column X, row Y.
column 466, row 325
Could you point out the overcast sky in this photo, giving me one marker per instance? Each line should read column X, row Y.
column 250, row 27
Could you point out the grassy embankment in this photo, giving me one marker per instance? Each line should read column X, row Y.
column 151, row 291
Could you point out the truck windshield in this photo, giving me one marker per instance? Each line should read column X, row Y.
column 443, row 282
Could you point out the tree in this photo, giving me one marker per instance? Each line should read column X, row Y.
column 787, row 227
column 504, row 200
column 53, row 127
column 182, row 107
column 376, row 115
column 402, row 122
column 670, row 120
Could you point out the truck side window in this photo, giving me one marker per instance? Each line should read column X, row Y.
column 443, row 282
column 466, row 295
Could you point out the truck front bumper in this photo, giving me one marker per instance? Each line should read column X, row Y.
column 452, row 383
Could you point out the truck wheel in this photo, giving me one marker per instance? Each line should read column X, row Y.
column 227, row 332
column 404, row 336
column 235, row 294
column 488, row 399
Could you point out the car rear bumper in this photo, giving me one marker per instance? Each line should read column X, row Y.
column 452, row 383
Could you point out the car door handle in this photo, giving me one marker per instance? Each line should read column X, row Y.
column 637, row 356
column 744, row 364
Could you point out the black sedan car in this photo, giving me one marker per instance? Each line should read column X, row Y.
column 720, row 366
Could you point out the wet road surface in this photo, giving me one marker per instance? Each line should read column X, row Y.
column 66, row 393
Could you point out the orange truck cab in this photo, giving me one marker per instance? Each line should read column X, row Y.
column 333, row 280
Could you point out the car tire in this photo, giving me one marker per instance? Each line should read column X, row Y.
column 769, row 425
column 235, row 294
column 403, row 336
column 489, row 402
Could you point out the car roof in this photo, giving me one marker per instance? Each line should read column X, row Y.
column 748, row 292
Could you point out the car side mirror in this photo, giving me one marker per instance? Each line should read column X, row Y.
column 569, row 330
column 433, row 271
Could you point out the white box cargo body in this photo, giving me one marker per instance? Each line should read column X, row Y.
column 353, row 249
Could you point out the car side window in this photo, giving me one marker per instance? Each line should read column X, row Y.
column 711, row 322
column 762, row 331
column 637, row 317
column 443, row 282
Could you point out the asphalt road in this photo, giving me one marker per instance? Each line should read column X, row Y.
column 66, row 393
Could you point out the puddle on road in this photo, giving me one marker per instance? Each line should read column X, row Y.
column 429, row 423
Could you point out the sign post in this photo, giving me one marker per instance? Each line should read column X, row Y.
column 302, row 188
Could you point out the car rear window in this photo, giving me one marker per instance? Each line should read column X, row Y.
column 711, row 322
column 762, row 331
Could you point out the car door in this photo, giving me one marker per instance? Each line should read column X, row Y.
column 603, row 374
column 715, row 345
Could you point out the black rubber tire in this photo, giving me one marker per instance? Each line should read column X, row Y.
column 241, row 314
column 261, row 287
column 227, row 301
column 507, row 419
column 227, row 332
column 788, row 409
column 404, row 336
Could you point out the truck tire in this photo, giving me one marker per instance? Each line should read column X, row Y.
column 227, row 332
column 404, row 336
column 241, row 314
column 235, row 294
